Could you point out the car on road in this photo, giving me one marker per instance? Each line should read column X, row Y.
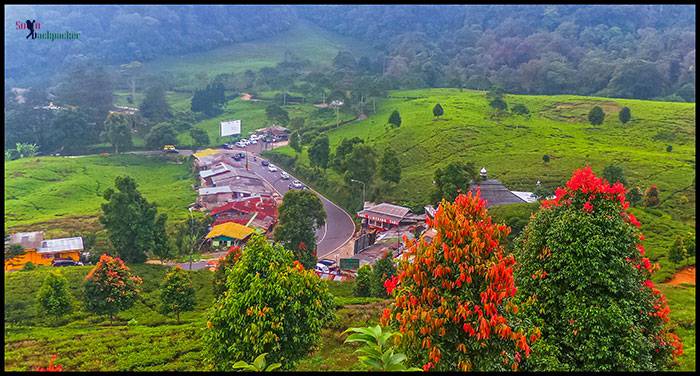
column 253, row 142
column 296, row 184
column 169, row 149
column 272, row 168
column 65, row 262
column 240, row 144
column 237, row 158
column 321, row 268
column 284, row 176
column 331, row 264
column 265, row 163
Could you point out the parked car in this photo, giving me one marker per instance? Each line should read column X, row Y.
column 296, row 184
column 240, row 144
column 320, row 268
column 265, row 163
column 66, row 262
column 272, row 168
column 237, row 158
column 240, row 155
column 284, row 175
column 331, row 264
column 169, row 149
column 253, row 142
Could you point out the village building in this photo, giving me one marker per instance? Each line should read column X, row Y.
column 211, row 197
column 257, row 212
column 228, row 234
column 386, row 216
column 43, row 252
column 275, row 132
column 207, row 158
column 495, row 193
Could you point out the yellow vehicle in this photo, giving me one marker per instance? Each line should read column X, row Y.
column 169, row 149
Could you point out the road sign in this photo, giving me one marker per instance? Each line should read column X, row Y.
column 349, row 264
column 230, row 128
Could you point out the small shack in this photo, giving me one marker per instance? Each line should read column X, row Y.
column 42, row 252
column 228, row 234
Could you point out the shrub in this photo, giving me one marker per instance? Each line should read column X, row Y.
column 545, row 158
column 271, row 305
column 438, row 111
column 520, row 109
column 258, row 365
column 625, row 115
column 29, row 266
column 583, row 279
column 177, row 293
column 53, row 297
column 395, row 119
column 225, row 263
column 614, row 174
column 451, row 301
column 383, row 269
column 110, row 287
column 651, row 196
column 363, row 282
column 379, row 354
column 678, row 252
column 669, row 148
column 634, row 195
column 596, row 116
column 690, row 244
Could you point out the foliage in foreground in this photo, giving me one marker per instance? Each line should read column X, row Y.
column 378, row 353
column 453, row 301
column 53, row 297
column 258, row 365
column 584, row 280
column 271, row 305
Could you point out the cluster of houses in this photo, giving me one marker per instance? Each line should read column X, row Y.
column 40, row 251
column 241, row 202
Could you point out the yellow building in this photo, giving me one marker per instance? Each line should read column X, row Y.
column 43, row 252
column 228, row 234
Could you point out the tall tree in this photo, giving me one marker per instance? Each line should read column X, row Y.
column 319, row 152
column 177, row 294
column 199, row 137
column 614, row 315
column 361, row 164
column 118, row 131
column 54, row 297
column 295, row 142
column 625, row 115
column 154, row 106
column 438, row 111
column 161, row 134
column 300, row 213
column 110, row 287
column 130, row 221
column 453, row 180
column 89, row 87
column 596, row 115
column 395, row 119
column 390, row 167
column 277, row 114
column 342, row 151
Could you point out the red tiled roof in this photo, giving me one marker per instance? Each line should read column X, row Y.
column 264, row 206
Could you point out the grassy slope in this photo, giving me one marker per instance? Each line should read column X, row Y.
column 49, row 189
column 156, row 342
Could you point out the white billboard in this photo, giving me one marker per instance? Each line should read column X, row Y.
column 230, row 128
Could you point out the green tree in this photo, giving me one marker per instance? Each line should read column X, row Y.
column 596, row 115
column 614, row 317
column 382, row 270
column 438, row 111
column 190, row 233
column 614, row 174
column 342, row 151
column 295, row 142
column 199, row 137
column 13, row 250
column 395, row 119
column 162, row 244
column 225, row 263
column 361, row 164
column 177, row 294
column 26, row 150
column 390, row 167
column 276, row 114
column 319, row 152
column 161, row 134
column 546, row 158
column 520, row 109
column 110, row 287
column 54, row 297
column 678, row 251
column 130, row 221
column 272, row 305
column 29, row 266
column 625, row 115
column 690, row 244
column 300, row 213
column 89, row 87
column 154, row 106
column 378, row 354
column 452, row 180
column 118, row 131
column 363, row 281
column 669, row 148
column 297, row 123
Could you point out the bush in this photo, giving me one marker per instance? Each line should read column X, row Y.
column 625, row 115
column 225, row 263
column 363, row 282
column 678, row 252
column 669, row 148
column 583, row 280
column 53, row 297
column 651, row 196
column 634, row 195
column 545, row 158
column 596, row 116
column 520, row 109
column 383, row 269
column 177, row 293
column 110, row 287
column 29, row 266
column 271, row 305
column 452, row 300
column 614, row 174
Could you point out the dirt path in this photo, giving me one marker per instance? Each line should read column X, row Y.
column 687, row 275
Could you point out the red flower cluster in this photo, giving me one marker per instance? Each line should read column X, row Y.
column 584, row 182
column 391, row 283
column 51, row 367
column 298, row 265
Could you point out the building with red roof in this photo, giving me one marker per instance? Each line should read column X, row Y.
column 258, row 211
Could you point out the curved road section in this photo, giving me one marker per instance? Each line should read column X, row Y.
column 339, row 226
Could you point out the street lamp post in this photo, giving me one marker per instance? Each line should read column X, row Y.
column 363, row 191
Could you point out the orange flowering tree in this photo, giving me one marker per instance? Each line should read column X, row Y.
column 110, row 287
column 584, row 280
column 453, row 296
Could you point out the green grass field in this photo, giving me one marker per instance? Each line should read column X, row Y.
column 154, row 342
column 59, row 192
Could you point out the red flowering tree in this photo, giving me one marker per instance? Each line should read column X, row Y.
column 110, row 287
column 51, row 367
column 226, row 262
column 453, row 295
column 585, row 282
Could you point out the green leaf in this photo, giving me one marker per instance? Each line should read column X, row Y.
column 259, row 362
column 273, row 367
